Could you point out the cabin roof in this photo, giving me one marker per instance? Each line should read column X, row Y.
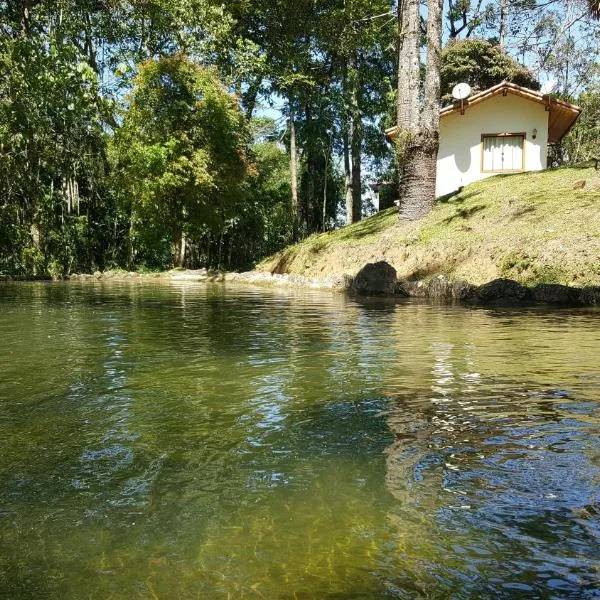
column 560, row 120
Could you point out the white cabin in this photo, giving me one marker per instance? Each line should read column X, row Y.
column 504, row 129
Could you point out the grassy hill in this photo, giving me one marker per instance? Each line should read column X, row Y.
column 534, row 228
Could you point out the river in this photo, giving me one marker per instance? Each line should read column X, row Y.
column 190, row 441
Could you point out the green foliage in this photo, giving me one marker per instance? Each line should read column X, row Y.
column 85, row 186
column 180, row 157
column 264, row 223
column 481, row 64
column 582, row 144
column 51, row 153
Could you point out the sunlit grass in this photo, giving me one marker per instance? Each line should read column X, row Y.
column 532, row 227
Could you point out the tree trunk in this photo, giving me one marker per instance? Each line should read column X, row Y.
column 181, row 247
column 131, row 248
column 308, row 210
column 347, row 176
column 324, row 214
column 408, row 66
column 293, row 173
column 420, row 151
column 356, row 142
column 25, row 15
column 502, row 33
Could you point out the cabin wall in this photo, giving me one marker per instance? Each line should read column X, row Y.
column 459, row 157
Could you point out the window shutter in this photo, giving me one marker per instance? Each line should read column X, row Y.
column 502, row 153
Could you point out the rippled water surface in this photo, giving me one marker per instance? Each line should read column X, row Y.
column 181, row 441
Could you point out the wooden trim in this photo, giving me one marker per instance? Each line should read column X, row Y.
column 521, row 134
column 569, row 112
column 505, row 134
column 505, row 88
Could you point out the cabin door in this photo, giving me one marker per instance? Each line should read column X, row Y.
column 502, row 153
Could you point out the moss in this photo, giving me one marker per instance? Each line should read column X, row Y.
column 531, row 270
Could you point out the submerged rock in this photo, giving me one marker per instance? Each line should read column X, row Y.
column 375, row 278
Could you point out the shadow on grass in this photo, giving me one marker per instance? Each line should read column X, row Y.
column 375, row 224
column 523, row 210
column 464, row 213
column 458, row 197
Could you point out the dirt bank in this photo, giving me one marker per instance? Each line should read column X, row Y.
column 532, row 228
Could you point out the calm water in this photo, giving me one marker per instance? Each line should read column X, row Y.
column 179, row 441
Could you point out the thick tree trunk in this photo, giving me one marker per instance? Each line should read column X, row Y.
column 419, row 154
column 294, row 173
column 356, row 170
column 408, row 66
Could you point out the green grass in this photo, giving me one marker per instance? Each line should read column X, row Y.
column 536, row 228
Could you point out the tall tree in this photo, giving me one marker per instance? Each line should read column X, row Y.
column 418, row 130
column 481, row 64
column 181, row 155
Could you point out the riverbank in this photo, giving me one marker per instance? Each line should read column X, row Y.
column 524, row 238
column 533, row 228
column 377, row 279
column 532, row 237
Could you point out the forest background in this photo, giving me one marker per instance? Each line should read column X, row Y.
column 147, row 134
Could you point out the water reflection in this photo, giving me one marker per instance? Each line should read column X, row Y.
column 188, row 441
column 502, row 475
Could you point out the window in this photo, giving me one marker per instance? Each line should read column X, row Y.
column 503, row 152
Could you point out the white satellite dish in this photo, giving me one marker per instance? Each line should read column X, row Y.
column 461, row 91
column 548, row 86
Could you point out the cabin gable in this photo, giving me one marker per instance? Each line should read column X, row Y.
column 504, row 134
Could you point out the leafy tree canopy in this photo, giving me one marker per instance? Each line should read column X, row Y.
column 181, row 154
column 481, row 64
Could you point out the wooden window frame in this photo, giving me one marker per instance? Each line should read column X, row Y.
column 521, row 134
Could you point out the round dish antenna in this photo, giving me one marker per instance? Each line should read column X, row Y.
column 461, row 91
column 548, row 87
